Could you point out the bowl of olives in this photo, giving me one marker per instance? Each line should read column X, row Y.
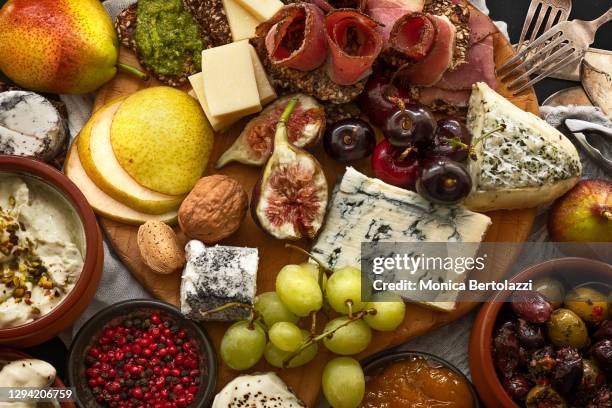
column 549, row 346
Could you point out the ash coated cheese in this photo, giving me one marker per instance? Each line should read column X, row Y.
column 30, row 126
column 262, row 390
column 368, row 210
column 215, row 276
column 521, row 161
column 262, row 9
column 230, row 87
column 241, row 22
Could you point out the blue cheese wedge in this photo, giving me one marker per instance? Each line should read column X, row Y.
column 30, row 126
column 215, row 276
column 368, row 210
column 521, row 161
column 264, row 390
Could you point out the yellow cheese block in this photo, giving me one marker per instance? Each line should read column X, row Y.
column 218, row 124
column 242, row 23
column 230, row 87
column 266, row 92
column 262, row 9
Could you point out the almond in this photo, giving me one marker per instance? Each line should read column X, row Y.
column 159, row 247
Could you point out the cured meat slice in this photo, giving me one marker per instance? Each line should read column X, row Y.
column 354, row 44
column 413, row 35
column 480, row 67
column 431, row 95
column 387, row 12
column 430, row 69
column 296, row 40
column 481, row 26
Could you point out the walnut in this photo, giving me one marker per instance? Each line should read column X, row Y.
column 214, row 209
column 159, row 247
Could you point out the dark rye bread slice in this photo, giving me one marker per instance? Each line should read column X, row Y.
column 212, row 35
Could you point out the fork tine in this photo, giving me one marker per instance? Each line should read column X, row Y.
column 530, row 13
column 534, row 45
column 554, row 13
column 534, row 58
column 565, row 62
column 539, row 21
column 558, row 55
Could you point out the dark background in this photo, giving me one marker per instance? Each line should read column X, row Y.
column 511, row 11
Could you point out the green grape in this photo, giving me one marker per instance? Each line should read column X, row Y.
column 343, row 382
column 285, row 336
column 344, row 284
column 298, row 290
column 275, row 356
column 350, row 339
column 242, row 347
column 390, row 311
column 272, row 309
column 314, row 270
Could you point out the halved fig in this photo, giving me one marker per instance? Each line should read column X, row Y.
column 290, row 199
column 255, row 143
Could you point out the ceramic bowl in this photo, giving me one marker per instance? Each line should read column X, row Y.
column 373, row 364
column 571, row 270
column 7, row 354
column 119, row 312
column 75, row 302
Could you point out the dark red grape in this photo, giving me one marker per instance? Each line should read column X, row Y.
column 602, row 353
column 531, row 306
column 349, row 139
column 413, row 125
column 517, row 387
column 529, row 334
column 391, row 166
column 443, row 181
column 379, row 98
column 506, row 353
column 452, row 139
column 604, row 331
column 567, row 373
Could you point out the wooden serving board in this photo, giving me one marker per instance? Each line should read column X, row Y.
column 508, row 226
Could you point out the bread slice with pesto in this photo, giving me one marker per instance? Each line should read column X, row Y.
column 518, row 160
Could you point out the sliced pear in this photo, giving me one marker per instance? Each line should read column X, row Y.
column 103, row 168
column 101, row 202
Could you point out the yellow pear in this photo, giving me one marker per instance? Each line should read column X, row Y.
column 57, row 46
column 162, row 139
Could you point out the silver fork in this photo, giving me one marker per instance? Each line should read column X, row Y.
column 551, row 11
column 564, row 44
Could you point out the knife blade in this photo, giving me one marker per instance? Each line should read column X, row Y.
column 577, row 127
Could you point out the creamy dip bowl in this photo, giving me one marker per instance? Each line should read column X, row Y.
column 50, row 252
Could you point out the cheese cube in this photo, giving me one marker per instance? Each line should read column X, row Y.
column 266, row 91
column 217, row 123
column 230, row 87
column 242, row 23
column 262, row 9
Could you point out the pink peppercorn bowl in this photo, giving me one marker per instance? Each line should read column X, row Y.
column 134, row 310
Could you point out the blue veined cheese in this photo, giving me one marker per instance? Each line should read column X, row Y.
column 368, row 210
column 30, row 126
column 521, row 161
column 215, row 276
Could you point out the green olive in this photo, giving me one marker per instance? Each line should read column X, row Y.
column 565, row 328
column 590, row 375
column 544, row 396
column 589, row 304
column 552, row 290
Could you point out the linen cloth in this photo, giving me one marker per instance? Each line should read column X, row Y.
column 449, row 342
